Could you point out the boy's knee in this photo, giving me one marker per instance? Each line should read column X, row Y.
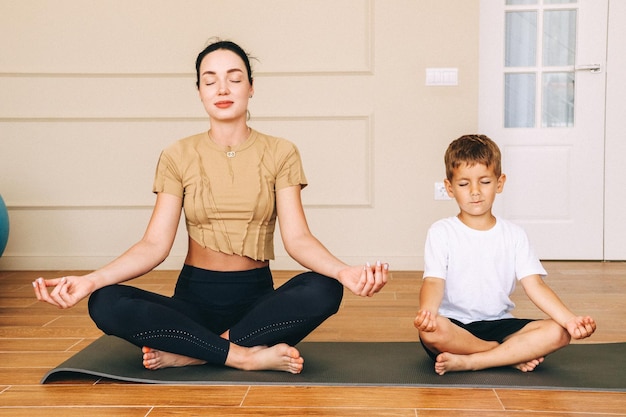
column 563, row 337
column 428, row 338
column 438, row 337
column 558, row 334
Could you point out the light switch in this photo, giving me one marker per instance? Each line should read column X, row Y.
column 442, row 76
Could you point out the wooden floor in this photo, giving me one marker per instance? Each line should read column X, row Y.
column 35, row 338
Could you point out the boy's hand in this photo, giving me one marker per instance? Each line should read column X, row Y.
column 580, row 327
column 425, row 321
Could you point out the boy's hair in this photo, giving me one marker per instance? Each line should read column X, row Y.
column 472, row 150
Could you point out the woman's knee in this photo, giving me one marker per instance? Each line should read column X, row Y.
column 327, row 291
column 97, row 301
column 102, row 307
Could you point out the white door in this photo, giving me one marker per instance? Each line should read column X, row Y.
column 542, row 99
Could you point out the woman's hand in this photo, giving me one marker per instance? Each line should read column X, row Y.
column 66, row 291
column 141, row 258
column 365, row 281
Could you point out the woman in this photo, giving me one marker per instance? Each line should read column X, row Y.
column 232, row 182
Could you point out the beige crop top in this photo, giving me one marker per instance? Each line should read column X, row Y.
column 229, row 202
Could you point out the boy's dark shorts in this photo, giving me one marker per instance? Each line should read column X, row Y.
column 490, row 330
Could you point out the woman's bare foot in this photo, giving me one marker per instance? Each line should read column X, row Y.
column 528, row 366
column 156, row 359
column 281, row 357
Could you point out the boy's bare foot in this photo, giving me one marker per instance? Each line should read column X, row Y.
column 281, row 357
column 156, row 359
column 449, row 362
column 528, row 366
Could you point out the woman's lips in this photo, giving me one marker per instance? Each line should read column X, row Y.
column 223, row 104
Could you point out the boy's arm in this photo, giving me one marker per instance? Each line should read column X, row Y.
column 430, row 298
column 547, row 301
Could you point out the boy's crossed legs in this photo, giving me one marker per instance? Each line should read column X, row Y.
column 519, row 343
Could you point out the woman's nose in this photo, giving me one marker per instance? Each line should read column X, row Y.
column 222, row 88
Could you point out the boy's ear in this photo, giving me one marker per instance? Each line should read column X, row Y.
column 501, row 182
column 448, row 185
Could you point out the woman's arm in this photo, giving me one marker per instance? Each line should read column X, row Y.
column 309, row 252
column 141, row 258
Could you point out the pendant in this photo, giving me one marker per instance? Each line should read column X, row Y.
column 231, row 154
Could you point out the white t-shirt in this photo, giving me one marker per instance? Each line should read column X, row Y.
column 480, row 268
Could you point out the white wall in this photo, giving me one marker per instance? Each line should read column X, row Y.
column 91, row 91
column 615, row 174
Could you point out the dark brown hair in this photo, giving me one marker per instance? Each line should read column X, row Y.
column 228, row 45
column 472, row 150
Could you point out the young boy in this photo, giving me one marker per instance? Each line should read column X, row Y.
column 472, row 262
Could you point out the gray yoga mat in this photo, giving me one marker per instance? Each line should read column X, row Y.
column 595, row 367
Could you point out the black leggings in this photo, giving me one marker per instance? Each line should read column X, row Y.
column 207, row 303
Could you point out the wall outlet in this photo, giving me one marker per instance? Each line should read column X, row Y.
column 440, row 192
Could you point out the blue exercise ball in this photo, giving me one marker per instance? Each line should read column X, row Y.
column 4, row 226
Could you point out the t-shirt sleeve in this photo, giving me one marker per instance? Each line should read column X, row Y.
column 167, row 178
column 291, row 170
column 436, row 253
column 526, row 262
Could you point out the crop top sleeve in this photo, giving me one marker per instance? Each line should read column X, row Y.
column 230, row 202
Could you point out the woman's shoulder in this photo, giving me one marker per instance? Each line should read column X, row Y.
column 188, row 142
column 182, row 148
column 278, row 146
column 273, row 141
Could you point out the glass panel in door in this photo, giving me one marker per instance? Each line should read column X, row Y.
column 539, row 92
